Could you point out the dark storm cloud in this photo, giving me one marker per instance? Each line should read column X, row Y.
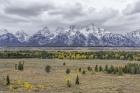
column 26, row 11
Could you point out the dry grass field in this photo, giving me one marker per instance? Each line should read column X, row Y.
column 34, row 79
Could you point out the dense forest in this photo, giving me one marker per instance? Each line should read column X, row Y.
column 71, row 55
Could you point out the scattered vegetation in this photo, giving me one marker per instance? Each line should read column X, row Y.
column 68, row 71
column 83, row 72
column 48, row 68
column 129, row 68
column 64, row 64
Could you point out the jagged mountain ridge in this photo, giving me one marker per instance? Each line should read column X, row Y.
column 134, row 36
column 22, row 36
column 89, row 35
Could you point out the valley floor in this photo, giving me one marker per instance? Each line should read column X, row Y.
column 55, row 82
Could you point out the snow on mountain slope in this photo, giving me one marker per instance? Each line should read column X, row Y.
column 92, row 29
column 73, row 35
column 8, row 39
column 22, row 36
column 116, row 40
column 42, row 37
column 134, row 36
column 93, row 40
column 45, row 32
column 86, row 35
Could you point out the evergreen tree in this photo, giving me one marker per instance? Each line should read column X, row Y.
column 7, row 80
column 77, row 80
column 110, row 69
column 115, row 70
column 21, row 66
column 16, row 67
column 79, row 69
column 96, row 68
column 120, row 71
column 100, row 68
column 106, row 68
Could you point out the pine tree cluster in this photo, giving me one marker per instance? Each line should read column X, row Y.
column 130, row 68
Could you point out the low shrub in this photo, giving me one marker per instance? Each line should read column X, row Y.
column 48, row 68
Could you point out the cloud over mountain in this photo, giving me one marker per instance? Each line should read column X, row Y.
column 114, row 15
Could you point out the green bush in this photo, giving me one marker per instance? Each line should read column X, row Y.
column 48, row 68
column 83, row 72
column 20, row 66
column 68, row 71
column 89, row 68
column 80, row 69
column 64, row 64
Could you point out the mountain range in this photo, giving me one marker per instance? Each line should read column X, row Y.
column 73, row 36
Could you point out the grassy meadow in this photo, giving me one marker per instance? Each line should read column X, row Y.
column 34, row 78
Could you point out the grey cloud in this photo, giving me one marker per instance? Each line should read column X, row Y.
column 123, row 24
column 132, row 9
column 69, row 12
column 11, row 19
column 27, row 11
column 31, row 15
column 98, row 18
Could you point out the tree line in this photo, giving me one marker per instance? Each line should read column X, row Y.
column 72, row 55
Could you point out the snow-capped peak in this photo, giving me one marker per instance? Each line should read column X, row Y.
column 45, row 32
column 22, row 36
column 92, row 29
column 134, row 33
column 72, row 30
column 73, row 35
column 59, row 30
column 3, row 31
column 134, row 36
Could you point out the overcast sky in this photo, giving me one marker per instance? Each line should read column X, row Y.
column 31, row 15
